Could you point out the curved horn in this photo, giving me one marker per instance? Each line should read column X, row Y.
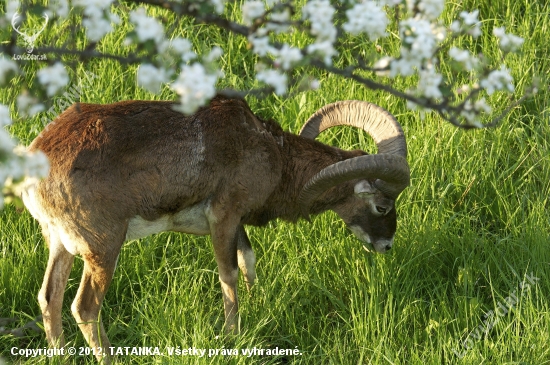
column 389, row 167
column 391, row 171
column 376, row 121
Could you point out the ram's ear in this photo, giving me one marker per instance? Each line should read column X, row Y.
column 364, row 189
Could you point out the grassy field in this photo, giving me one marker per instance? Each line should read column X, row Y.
column 473, row 236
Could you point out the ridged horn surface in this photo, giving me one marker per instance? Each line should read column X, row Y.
column 376, row 121
column 388, row 168
column 391, row 171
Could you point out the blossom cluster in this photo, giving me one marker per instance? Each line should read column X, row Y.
column 507, row 42
column 97, row 18
column 173, row 63
column 367, row 17
column 464, row 57
column 15, row 162
column 320, row 14
column 468, row 23
column 252, row 10
column 196, row 83
column 54, row 78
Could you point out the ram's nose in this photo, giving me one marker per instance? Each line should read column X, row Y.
column 383, row 246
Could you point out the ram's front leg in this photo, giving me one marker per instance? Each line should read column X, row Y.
column 246, row 257
column 223, row 228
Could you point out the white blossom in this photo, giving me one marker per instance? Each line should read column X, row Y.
column 183, row 47
column 456, row 26
column 314, row 84
column 439, row 32
column 419, row 42
column 428, row 83
column 22, row 163
column 430, row 9
column 464, row 57
column 146, row 27
column 18, row 163
column 114, row 18
column 382, row 66
column 391, row 3
column 7, row 144
column 14, row 168
column 274, row 78
column 96, row 22
column 195, row 86
column 507, row 42
column 470, row 112
column 5, row 118
column 58, row 8
column 96, row 28
column 470, row 116
column 252, row 10
column 214, row 54
column 53, row 78
column 219, row 5
column 418, row 37
column 196, row 83
column 102, row 4
column 498, row 80
column 367, row 17
column 7, row 67
column 288, row 56
column 482, row 106
column 402, row 67
column 320, row 14
column 11, row 8
column 28, row 105
column 151, row 78
column 462, row 89
column 470, row 18
column 324, row 49
column 260, row 45
column 36, row 164
column 469, row 24
column 279, row 21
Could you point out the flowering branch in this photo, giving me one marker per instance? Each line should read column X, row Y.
column 172, row 61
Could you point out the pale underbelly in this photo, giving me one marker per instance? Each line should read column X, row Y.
column 192, row 220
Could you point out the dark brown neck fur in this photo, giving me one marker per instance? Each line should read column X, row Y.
column 302, row 159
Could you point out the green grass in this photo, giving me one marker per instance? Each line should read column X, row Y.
column 473, row 223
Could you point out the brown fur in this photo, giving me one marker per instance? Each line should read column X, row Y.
column 111, row 163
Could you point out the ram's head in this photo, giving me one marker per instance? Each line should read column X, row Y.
column 380, row 178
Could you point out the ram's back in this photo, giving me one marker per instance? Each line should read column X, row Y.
column 145, row 159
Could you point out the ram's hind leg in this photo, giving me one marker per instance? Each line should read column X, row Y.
column 99, row 266
column 50, row 297
column 246, row 257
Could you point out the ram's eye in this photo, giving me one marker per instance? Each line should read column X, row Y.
column 381, row 210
